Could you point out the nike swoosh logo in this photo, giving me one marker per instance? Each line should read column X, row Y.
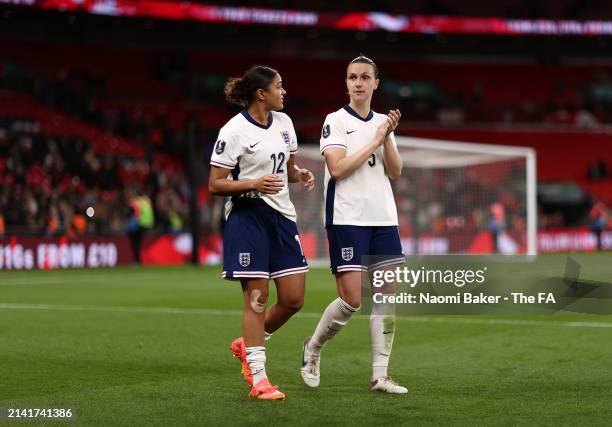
column 387, row 332
column 350, row 132
column 303, row 355
column 253, row 145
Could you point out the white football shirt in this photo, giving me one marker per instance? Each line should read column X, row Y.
column 252, row 150
column 364, row 198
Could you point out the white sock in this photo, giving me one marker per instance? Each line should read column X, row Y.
column 256, row 358
column 382, row 332
column 267, row 335
column 334, row 318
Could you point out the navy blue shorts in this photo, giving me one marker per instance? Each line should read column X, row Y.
column 259, row 242
column 351, row 247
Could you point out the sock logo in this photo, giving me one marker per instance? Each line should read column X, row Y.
column 245, row 259
column 347, row 253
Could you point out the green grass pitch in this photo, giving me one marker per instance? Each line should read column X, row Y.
column 150, row 346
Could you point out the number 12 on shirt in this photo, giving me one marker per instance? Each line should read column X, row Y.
column 281, row 159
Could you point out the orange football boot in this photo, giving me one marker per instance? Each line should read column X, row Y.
column 266, row 391
column 239, row 351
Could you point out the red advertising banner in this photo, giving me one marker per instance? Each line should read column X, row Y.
column 28, row 253
column 360, row 21
column 573, row 240
column 47, row 253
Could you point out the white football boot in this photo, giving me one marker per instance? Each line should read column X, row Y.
column 310, row 366
column 387, row 385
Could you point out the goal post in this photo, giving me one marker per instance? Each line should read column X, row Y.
column 453, row 198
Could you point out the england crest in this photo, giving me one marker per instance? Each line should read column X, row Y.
column 245, row 259
column 286, row 138
column 220, row 147
column 347, row 253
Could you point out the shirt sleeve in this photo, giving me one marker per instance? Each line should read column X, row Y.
column 226, row 151
column 332, row 135
column 293, row 147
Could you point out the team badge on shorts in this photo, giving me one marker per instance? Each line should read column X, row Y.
column 220, row 147
column 285, row 136
column 347, row 253
column 245, row 259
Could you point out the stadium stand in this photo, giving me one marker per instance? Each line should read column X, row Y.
column 125, row 110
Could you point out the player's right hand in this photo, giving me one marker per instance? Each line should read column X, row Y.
column 269, row 184
column 382, row 131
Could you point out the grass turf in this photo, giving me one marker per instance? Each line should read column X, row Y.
column 149, row 346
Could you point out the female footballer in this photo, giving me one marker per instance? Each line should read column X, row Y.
column 253, row 163
column 360, row 217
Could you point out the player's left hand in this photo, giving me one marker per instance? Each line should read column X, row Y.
column 393, row 119
column 307, row 178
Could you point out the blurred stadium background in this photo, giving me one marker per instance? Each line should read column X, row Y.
column 104, row 102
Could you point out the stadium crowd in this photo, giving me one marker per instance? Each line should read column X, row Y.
column 53, row 184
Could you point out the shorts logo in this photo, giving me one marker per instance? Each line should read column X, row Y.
column 326, row 131
column 220, row 147
column 285, row 136
column 245, row 259
column 347, row 253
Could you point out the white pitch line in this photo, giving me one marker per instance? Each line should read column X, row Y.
column 213, row 312
column 519, row 322
column 74, row 279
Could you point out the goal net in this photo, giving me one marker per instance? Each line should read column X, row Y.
column 452, row 198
